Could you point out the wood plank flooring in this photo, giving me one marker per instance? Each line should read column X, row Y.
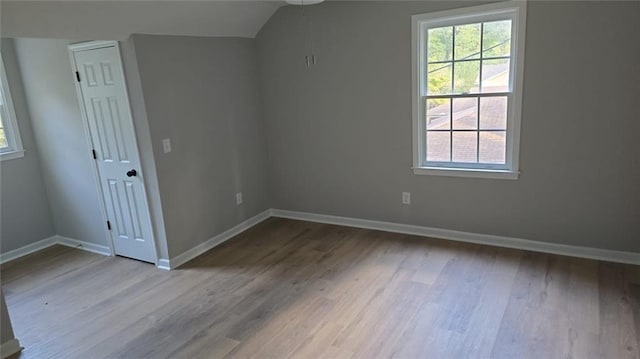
column 294, row 289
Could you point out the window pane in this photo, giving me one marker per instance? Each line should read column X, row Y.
column 465, row 113
column 3, row 137
column 493, row 113
column 465, row 146
column 439, row 76
column 440, row 44
column 493, row 146
column 496, row 38
column 466, row 75
column 495, row 75
column 467, row 42
column 438, row 114
column 438, row 146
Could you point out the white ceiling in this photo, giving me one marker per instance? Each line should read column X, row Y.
column 117, row 20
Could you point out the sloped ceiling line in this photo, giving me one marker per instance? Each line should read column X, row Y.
column 117, row 20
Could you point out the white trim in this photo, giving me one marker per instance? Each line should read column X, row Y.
column 87, row 132
column 417, row 73
column 469, row 14
column 92, row 45
column 14, row 147
column 48, row 242
column 85, row 246
column 517, row 12
column 517, row 73
column 438, row 233
column 486, row 239
column 164, row 264
column 466, row 172
column 9, row 348
column 28, row 249
column 214, row 241
column 11, row 155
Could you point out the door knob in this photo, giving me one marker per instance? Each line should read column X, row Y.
column 132, row 173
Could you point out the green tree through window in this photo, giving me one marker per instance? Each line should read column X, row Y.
column 446, row 74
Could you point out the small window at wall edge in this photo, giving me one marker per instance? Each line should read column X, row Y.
column 10, row 141
column 467, row 90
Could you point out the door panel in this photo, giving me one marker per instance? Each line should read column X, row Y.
column 112, row 134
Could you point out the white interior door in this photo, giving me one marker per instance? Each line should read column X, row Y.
column 102, row 91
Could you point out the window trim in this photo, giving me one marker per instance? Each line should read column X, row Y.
column 514, row 10
column 14, row 147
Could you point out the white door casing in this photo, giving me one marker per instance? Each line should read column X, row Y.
column 105, row 109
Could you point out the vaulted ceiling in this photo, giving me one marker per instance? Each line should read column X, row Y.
column 117, row 20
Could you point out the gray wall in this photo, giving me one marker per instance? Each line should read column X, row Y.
column 117, row 20
column 339, row 133
column 62, row 143
column 203, row 94
column 25, row 216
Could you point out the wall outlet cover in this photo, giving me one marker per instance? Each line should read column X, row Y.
column 406, row 197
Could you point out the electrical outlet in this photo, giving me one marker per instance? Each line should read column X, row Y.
column 166, row 145
column 239, row 198
column 406, row 197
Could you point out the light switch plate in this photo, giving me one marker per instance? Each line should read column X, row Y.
column 166, row 145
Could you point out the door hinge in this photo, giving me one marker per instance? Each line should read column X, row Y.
column 108, row 225
column 95, row 156
column 78, row 76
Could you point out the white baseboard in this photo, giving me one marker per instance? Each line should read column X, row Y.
column 48, row 242
column 85, row 246
column 487, row 239
column 438, row 233
column 212, row 242
column 28, row 249
column 163, row 264
column 9, row 347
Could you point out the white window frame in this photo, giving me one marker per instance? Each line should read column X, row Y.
column 9, row 121
column 516, row 12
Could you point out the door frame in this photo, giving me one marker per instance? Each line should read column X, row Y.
column 92, row 45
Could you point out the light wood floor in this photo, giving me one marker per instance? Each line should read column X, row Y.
column 297, row 289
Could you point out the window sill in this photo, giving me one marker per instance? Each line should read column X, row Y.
column 467, row 172
column 4, row 156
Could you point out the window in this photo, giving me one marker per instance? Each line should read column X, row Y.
column 10, row 143
column 467, row 90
